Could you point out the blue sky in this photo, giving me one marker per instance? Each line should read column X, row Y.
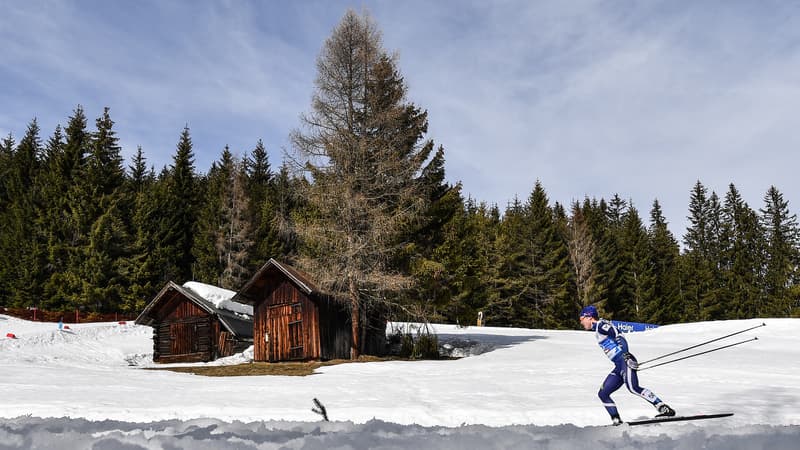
column 640, row 98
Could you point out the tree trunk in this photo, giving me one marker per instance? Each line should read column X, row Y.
column 355, row 314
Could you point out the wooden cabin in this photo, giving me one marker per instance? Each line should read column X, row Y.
column 189, row 328
column 294, row 320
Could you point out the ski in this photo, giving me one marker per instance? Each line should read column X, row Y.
column 678, row 418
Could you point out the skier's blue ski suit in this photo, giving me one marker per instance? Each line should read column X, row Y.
column 616, row 348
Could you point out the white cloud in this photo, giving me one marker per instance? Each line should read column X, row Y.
column 592, row 98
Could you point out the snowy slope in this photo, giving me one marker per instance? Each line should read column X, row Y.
column 522, row 376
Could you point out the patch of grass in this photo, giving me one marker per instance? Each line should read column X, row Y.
column 300, row 369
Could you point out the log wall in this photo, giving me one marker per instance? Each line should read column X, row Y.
column 186, row 333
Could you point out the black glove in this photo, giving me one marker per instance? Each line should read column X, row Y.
column 630, row 361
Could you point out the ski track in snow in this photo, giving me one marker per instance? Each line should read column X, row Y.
column 518, row 388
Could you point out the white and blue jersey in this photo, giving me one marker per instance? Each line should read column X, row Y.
column 616, row 347
column 610, row 340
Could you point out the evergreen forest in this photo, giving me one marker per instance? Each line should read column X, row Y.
column 362, row 204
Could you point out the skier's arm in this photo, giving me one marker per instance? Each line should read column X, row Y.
column 612, row 333
column 609, row 330
column 630, row 360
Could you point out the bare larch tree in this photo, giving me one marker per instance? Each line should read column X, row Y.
column 361, row 151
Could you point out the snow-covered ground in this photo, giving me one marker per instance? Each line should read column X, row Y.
column 520, row 388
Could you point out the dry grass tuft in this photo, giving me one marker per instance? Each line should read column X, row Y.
column 300, row 369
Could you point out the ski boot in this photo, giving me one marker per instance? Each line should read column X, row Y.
column 616, row 421
column 665, row 411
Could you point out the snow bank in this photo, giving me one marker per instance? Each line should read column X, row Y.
column 201, row 434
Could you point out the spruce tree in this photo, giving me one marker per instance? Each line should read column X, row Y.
column 667, row 303
column 595, row 214
column 139, row 176
column 515, row 299
column 444, row 203
column 741, row 256
column 535, row 285
column 611, row 261
column 108, row 243
column 23, row 250
column 782, row 238
column 278, row 211
column 469, row 258
column 563, row 300
column 65, row 225
column 259, row 186
column 638, row 275
column 207, row 266
column 6, row 155
column 177, row 224
column 222, row 245
column 104, row 166
column 697, row 275
column 141, row 267
column 713, row 303
column 6, row 268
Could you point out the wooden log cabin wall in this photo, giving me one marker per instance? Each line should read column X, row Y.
column 188, row 328
column 293, row 320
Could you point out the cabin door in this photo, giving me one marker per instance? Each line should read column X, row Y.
column 285, row 340
column 184, row 338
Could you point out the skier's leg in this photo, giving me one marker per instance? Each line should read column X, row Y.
column 612, row 382
column 632, row 383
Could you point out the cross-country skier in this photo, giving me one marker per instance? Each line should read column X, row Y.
column 625, row 366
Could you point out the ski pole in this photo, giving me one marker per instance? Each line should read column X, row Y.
column 697, row 354
column 701, row 344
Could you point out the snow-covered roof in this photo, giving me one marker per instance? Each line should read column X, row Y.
column 219, row 297
column 235, row 317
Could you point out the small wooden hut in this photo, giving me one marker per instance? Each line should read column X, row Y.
column 294, row 320
column 189, row 328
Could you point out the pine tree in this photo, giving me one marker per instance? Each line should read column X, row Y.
column 107, row 242
column 444, row 203
column 64, row 224
column 667, row 303
column 6, row 267
column 24, row 253
column 638, row 276
column 595, row 214
column 177, row 224
column 430, row 264
column 278, row 211
column 7, row 146
column 782, row 238
column 741, row 257
column 207, row 266
column 515, row 302
column 259, row 186
column 713, row 302
column 222, row 246
column 536, row 288
column 139, row 177
column 468, row 257
column 141, row 267
column 103, row 278
column 610, row 257
column 563, row 300
column 104, row 168
column 697, row 275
